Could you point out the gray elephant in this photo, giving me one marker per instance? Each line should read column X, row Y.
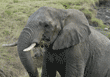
column 72, row 47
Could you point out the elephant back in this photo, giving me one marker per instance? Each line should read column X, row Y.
column 100, row 40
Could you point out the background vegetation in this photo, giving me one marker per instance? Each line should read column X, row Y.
column 13, row 17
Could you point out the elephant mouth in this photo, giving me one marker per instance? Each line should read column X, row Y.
column 42, row 44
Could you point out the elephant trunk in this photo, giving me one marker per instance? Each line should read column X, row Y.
column 24, row 41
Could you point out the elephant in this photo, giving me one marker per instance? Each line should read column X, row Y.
column 72, row 46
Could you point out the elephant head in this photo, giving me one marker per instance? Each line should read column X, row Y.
column 53, row 29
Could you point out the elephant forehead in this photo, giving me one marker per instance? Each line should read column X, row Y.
column 45, row 12
column 45, row 19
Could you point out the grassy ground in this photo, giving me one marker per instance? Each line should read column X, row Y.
column 13, row 18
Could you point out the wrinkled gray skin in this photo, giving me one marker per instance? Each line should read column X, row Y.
column 73, row 48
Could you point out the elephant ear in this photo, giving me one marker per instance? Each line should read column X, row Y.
column 76, row 30
column 71, row 35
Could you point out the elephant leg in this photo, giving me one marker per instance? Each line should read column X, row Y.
column 74, row 72
column 108, row 73
column 74, row 64
column 61, row 70
column 49, row 68
column 74, row 69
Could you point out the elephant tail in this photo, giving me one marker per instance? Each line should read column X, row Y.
column 10, row 45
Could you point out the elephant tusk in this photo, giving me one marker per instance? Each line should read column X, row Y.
column 30, row 47
column 10, row 45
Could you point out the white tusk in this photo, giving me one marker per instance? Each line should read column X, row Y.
column 10, row 45
column 30, row 47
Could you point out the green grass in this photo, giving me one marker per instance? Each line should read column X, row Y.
column 13, row 17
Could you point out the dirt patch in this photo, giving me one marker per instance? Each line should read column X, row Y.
column 103, row 13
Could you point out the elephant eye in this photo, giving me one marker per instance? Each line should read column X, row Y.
column 46, row 25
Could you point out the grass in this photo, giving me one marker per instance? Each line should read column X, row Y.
column 13, row 17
